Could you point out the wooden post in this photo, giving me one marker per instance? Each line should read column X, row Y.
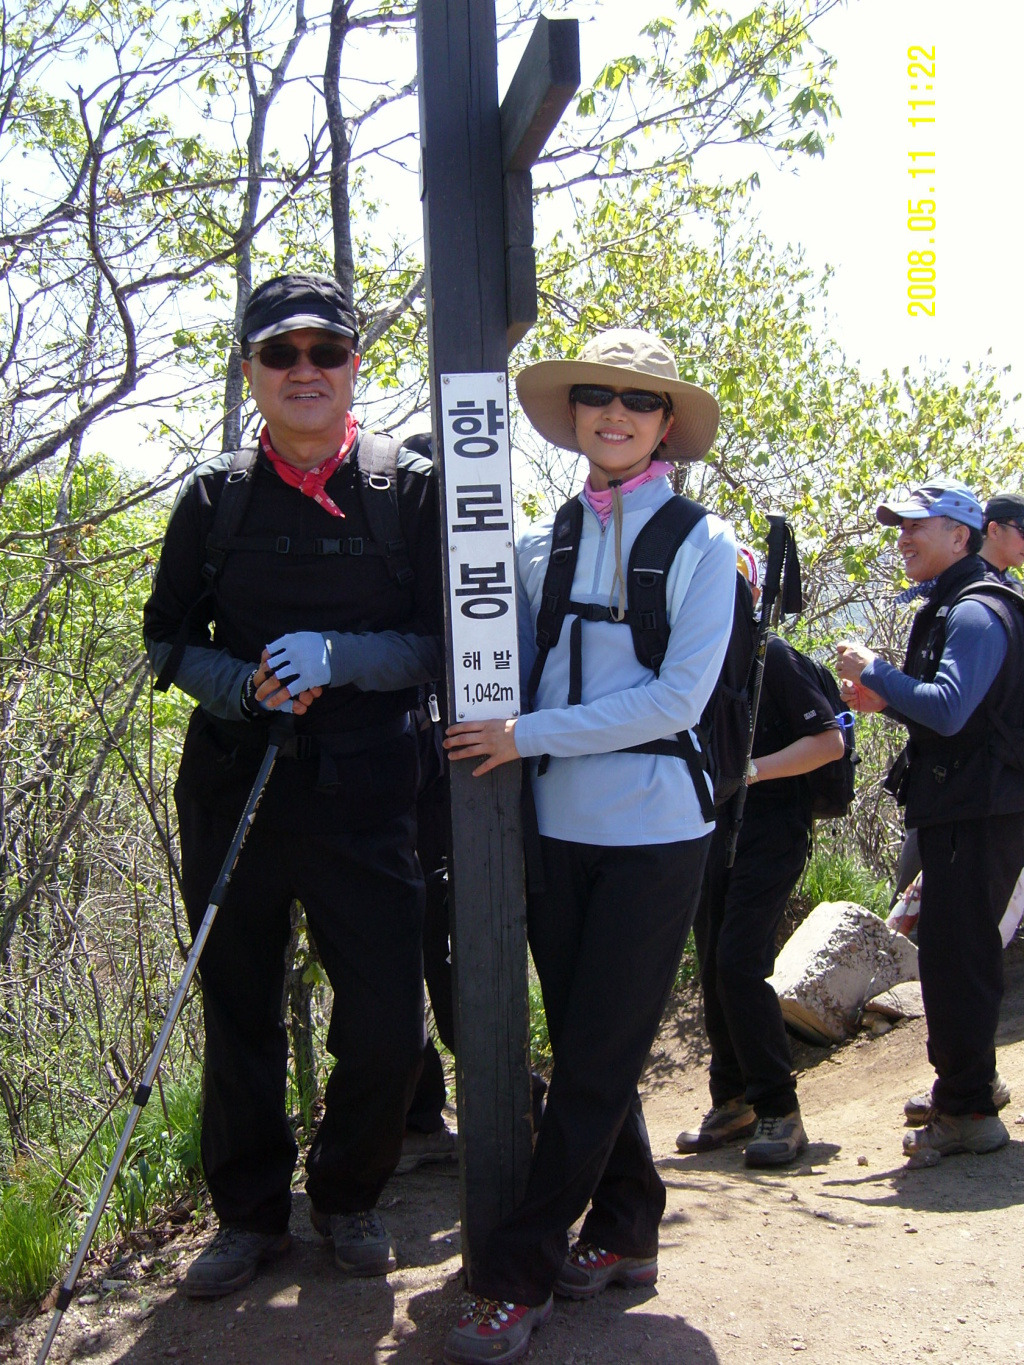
column 468, row 285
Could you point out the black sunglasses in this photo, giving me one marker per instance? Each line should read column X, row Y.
column 633, row 400
column 1017, row 525
column 282, row 355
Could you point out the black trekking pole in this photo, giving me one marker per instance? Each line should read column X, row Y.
column 280, row 732
column 779, row 541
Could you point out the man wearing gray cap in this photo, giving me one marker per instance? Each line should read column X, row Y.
column 302, row 575
column 961, row 781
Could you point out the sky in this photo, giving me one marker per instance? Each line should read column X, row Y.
column 849, row 208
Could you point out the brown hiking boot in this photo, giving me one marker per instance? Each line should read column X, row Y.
column 724, row 1123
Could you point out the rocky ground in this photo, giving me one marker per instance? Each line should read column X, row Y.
column 846, row 1256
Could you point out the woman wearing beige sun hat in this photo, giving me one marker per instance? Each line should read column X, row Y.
column 623, row 836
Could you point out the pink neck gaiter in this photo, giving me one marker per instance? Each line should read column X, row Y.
column 601, row 499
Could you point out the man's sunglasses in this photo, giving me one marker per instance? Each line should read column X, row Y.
column 633, row 400
column 282, row 355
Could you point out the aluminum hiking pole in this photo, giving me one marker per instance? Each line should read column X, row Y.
column 280, row 731
column 779, row 540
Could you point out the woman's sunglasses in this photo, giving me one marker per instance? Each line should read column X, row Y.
column 282, row 355
column 633, row 400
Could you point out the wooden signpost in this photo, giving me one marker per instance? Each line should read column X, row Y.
column 481, row 298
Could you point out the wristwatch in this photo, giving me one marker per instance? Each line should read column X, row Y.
column 752, row 774
column 247, row 701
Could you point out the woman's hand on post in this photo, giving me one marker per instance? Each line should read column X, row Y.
column 492, row 740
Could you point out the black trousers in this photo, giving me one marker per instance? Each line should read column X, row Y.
column 606, row 933
column 346, row 852
column 432, row 818
column 735, row 927
column 970, row 868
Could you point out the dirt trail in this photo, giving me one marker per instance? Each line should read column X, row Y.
column 844, row 1257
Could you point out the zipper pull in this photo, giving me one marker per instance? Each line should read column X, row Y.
column 432, row 708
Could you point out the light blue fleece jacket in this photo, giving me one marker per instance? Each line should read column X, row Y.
column 591, row 794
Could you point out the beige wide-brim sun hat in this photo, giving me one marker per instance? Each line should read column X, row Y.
column 621, row 358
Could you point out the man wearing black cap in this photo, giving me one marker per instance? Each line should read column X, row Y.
column 961, row 781
column 1003, row 528
column 314, row 558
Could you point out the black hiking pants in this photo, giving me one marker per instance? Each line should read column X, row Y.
column 345, row 851
column 970, row 867
column 606, row 933
column 735, row 928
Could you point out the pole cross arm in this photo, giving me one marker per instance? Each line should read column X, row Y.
column 547, row 77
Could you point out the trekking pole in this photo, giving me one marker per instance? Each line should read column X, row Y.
column 771, row 602
column 280, row 732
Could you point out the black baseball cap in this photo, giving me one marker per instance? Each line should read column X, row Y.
column 288, row 302
column 1004, row 507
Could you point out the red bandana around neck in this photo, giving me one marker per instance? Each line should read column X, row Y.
column 311, row 481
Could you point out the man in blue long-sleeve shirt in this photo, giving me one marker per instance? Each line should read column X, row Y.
column 961, row 779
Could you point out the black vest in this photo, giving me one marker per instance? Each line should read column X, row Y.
column 979, row 771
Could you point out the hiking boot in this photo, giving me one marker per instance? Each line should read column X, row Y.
column 776, row 1141
column 946, row 1134
column 724, row 1123
column 919, row 1109
column 362, row 1244
column 490, row 1330
column 418, row 1149
column 231, row 1260
column 588, row 1269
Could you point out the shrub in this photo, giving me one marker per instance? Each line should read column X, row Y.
column 837, row 877
column 34, row 1238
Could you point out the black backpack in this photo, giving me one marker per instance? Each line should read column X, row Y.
column 378, row 466
column 723, row 731
column 832, row 785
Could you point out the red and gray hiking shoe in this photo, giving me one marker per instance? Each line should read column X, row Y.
column 588, row 1269
column 490, row 1330
column 919, row 1109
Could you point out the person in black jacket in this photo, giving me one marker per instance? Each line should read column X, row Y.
column 753, row 1089
column 309, row 614
column 961, row 781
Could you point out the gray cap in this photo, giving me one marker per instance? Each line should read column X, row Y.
column 937, row 498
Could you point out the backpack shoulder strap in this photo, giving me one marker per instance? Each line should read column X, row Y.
column 650, row 560
column 227, row 519
column 557, row 590
column 378, row 480
column 229, row 512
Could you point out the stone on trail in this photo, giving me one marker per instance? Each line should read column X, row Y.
column 900, row 1002
column 839, row 957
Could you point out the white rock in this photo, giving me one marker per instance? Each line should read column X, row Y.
column 901, row 1002
column 839, row 957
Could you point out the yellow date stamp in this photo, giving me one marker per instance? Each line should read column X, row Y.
column 921, row 212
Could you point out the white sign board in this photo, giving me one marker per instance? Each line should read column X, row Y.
column 481, row 557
